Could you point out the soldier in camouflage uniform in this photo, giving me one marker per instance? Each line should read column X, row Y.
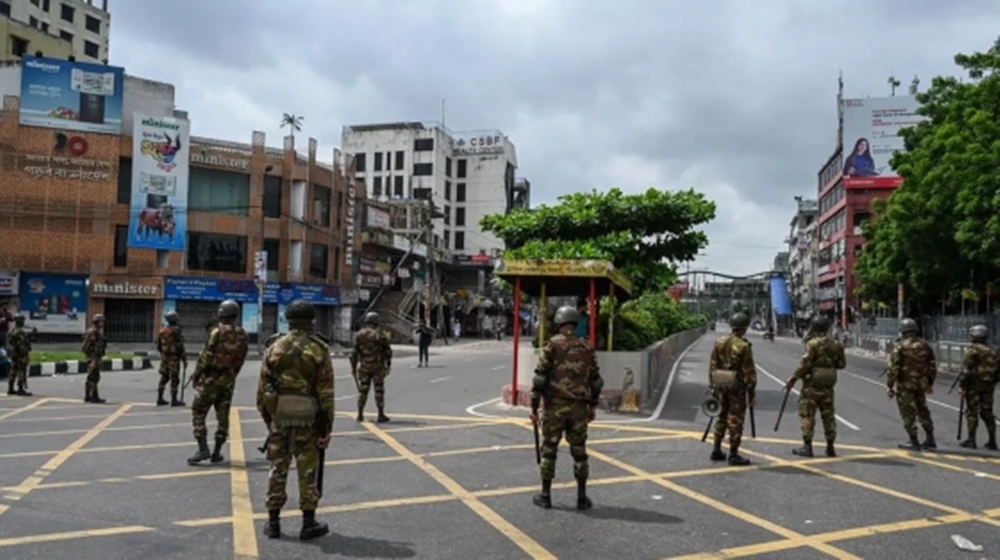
column 170, row 344
column 20, row 357
column 977, row 385
column 732, row 379
column 214, row 379
column 569, row 381
column 818, row 373
column 911, row 374
column 295, row 400
column 371, row 360
column 94, row 348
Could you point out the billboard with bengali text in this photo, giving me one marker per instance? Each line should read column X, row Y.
column 871, row 137
column 160, row 170
column 67, row 95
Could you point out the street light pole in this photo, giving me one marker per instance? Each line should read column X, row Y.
column 262, row 271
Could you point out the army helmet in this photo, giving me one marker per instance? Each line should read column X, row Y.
column 98, row 318
column 19, row 320
column 300, row 310
column 371, row 318
column 739, row 321
column 979, row 332
column 566, row 315
column 820, row 323
column 908, row 325
column 172, row 317
column 229, row 309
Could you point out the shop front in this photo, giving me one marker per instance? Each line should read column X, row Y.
column 196, row 301
column 55, row 304
column 130, row 306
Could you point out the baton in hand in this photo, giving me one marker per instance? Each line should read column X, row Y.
column 538, row 445
column 184, row 382
column 708, row 428
column 753, row 425
column 961, row 413
column 784, row 402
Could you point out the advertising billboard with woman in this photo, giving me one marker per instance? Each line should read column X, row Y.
column 871, row 136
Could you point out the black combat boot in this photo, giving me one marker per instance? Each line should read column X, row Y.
column 160, row 401
column 202, row 453
column 717, row 453
column 381, row 414
column 217, row 452
column 970, row 442
column 87, row 394
column 929, row 442
column 735, row 458
column 22, row 390
column 310, row 527
column 582, row 501
column 174, row 401
column 913, row 444
column 10, row 385
column 544, row 499
column 806, row 450
column 272, row 529
column 830, row 451
column 992, row 431
column 361, row 415
column 95, row 397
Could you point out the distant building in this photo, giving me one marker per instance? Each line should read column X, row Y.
column 802, row 247
column 58, row 29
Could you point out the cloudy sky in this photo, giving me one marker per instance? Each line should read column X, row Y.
column 733, row 98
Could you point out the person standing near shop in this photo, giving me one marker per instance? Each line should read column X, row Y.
column 95, row 345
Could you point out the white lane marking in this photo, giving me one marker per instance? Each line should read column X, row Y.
column 474, row 412
column 439, row 379
column 796, row 391
column 498, row 368
column 342, row 376
column 344, row 397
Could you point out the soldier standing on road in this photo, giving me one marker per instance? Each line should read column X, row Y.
column 977, row 386
column 568, row 379
column 20, row 350
column 371, row 360
column 170, row 344
column 732, row 378
column 912, row 371
column 818, row 372
column 94, row 348
column 295, row 399
column 214, row 379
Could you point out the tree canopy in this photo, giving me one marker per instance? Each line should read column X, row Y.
column 642, row 234
column 939, row 232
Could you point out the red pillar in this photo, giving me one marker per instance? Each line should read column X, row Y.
column 593, row 312
column 517, row 338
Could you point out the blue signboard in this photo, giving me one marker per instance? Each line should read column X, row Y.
column 54, row 303
column 68, row 95
column 245, row 291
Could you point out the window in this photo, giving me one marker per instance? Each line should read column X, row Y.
column 447, row 238
column 423, row 169
column 93, row 24
column 124, row 180
column 91, row 49
column 377, row 165
column 460, row 217
column 273, row 249
column 45, row 27
column 46, row 5
column 447, row 215
column 447, row 190
column 272, row 196
column 397, row 186
column 360, row 163
column 214, row 252
column 423, row 145
column 336, row 264
column 222, row 192
column 319, row 260
column 66, row 36
column 34, row 2
column 18, row 46
column 68, row 13
column 447, row 167
column 121, row 247
column 400, row 159
column 4, row 9
column 321, row 206
column 462, row 164
column 459, row 240
column 32, row 21
column 460, row 192
column 377, row 186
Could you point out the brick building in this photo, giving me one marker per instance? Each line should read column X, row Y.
column 64, row 227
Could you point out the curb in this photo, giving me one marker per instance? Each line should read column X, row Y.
column 76, row 367
column 608, row 402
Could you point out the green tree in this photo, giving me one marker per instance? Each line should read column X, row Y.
column 643, row 234
column 940, row 231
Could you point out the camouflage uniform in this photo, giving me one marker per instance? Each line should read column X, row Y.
column 95, row 346
column 569, row 383
column 214, row 378
column 371, row 360
column 978, row 384
column 732, row 354
column 20, row 357
column 170, row 345
column 911, row 374
column 296, row 368
column 817, row 371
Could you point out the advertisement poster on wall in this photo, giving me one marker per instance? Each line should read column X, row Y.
column 9, row 282
column 158, row 213
column 54, row 303
column 71, row 95
column 871, row 137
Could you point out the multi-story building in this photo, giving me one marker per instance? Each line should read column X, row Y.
column 87, row 226
column 802, row 244
column 57, row 28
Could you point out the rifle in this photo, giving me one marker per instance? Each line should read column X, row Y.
column 784, row 402
column 957, row 381
column 267, row 440
column 884, row 371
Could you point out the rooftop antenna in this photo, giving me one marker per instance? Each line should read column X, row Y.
column 840, row 109
column 915, row 85
column 893, row 84
column 442, row 113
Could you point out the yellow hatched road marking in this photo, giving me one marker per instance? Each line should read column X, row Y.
column 244, row 536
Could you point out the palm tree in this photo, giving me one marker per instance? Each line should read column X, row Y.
column 293, row 122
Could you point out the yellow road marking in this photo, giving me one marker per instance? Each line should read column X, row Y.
column 244, row 536
column 522, row 540
column 71, row 535
column 24, row 408
column 943, row 465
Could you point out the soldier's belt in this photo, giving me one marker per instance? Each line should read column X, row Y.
column 295, row 411
column 723, row 378
column 824, row 377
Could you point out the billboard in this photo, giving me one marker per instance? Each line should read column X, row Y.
column 68, row 95
column 160, row 166
column 479, row 143
column 871, row 136
column 54, row 303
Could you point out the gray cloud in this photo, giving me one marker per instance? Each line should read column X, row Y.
column 735, row 99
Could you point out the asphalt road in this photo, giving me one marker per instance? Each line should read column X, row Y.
column 452, row 476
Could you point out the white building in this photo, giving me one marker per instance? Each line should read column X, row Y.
column 85, row 24
column 803, row 248
column 469, row 175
